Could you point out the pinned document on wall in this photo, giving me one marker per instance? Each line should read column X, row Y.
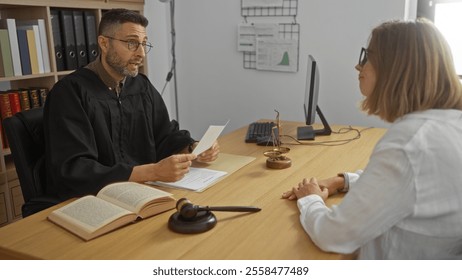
column 272, row 44
column 277, row 55
column 269, row 46
column 248, row 33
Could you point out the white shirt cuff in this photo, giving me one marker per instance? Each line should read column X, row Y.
column 350, row 179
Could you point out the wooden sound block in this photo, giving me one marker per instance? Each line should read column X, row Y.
column 279, row 162
column 203, row 222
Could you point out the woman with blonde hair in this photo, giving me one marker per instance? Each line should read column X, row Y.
column 407, row 202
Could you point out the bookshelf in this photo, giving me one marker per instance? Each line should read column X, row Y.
column 10, row 191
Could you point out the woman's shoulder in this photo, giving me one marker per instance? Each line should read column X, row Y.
column 419, row 126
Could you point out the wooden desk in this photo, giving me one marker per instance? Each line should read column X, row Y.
column 273, row 233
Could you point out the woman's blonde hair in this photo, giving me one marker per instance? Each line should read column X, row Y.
column 414, row 69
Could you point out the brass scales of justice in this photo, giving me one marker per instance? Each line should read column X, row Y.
column 276, row 156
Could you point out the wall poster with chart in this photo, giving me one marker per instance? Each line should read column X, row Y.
column 271, row 45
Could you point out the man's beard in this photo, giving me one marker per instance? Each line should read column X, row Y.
column 113, row 60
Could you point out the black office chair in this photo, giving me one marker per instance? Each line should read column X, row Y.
column 24, row 132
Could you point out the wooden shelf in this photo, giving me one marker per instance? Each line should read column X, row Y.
column 40, row 9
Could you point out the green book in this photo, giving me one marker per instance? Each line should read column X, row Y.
column 10, row 25
column 6, row 61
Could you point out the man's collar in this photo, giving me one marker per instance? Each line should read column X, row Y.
column 97, row 67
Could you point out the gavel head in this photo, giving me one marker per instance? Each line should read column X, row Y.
column 187, row 210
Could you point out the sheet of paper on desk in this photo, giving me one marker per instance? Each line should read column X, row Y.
column 197, row 179
column 210, row 136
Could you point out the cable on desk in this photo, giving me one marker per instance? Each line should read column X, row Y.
column 339, row 142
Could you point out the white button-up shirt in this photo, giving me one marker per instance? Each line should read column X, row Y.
column 407, row 203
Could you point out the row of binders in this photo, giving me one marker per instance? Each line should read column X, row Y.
column 74, row 38
column 24, row 43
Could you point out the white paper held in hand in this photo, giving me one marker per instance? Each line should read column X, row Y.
column 210, row 136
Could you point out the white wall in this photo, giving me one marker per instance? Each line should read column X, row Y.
column 158, row 59
column 213, row 86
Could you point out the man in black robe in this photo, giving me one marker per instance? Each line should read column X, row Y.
column 106, row 122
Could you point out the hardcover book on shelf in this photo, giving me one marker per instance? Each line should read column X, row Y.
column 5, row 112
column 24, row 99
column 34, row 97
column 5, row 105
column 114, row 206
column 6, row 61
column 42, row 94
column 33, row 54
column 10, row 25
column 15, row 102
column 24, row 52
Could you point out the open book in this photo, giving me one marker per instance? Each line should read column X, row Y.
column 114, row 206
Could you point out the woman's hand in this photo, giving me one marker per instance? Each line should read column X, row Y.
column 306, row 188
column 325, row 187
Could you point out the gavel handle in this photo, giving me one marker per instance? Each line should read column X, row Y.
column 231, row 208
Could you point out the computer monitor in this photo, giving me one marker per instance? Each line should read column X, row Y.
column 310, row 104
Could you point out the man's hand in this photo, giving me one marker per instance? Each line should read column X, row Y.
column 173, row 168
column 210, row 155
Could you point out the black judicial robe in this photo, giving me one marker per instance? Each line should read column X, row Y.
column 93, row 137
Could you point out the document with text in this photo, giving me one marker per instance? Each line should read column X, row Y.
column 197, row 179
column 203, row 175
column 210, row 136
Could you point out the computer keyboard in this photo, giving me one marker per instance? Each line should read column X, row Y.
column 258, row 130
